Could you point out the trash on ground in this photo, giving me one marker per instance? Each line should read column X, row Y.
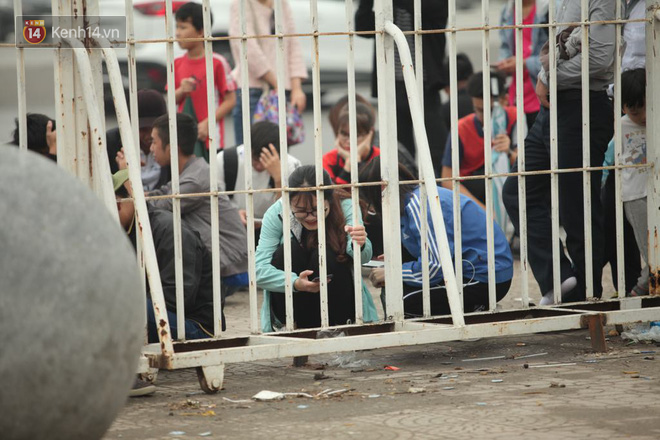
column 265, row 396
column 373, row 396
column 497, row 381
column 649, row 358
column 530, row 355
column 302, row 406
column 484, row 359
column 392, row 368
column 591, row 361
column 613, row 333
column 482, row 403
column 568, row 364
column 416, row 390
column 348, row 360
column 321, row 376
column 520, row 344
column 447, row 388
column 647, row 352
column 642, row 333
column 177, row 433
column 557, row 385
column 205, row 434
column 337, row 392
column 237, row 401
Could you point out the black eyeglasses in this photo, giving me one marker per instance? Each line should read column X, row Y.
column 304, row 214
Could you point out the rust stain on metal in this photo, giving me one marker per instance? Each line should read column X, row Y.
column 162, row 323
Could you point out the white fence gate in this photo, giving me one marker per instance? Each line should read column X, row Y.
column 82, row 143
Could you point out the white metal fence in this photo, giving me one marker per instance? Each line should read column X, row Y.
column 81, row 143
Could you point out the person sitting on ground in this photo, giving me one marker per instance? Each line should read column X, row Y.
column 197, row 266
column 342, row 230
column 471, row 138
column 266, row 172
column 41, row 137
column 634, row 180
column 151, row 105
column 337, row 161
column 190, row 78
column 473, row 239
column 196, row 211
column 341, row 106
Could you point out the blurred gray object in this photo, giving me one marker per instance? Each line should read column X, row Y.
column 71, row 305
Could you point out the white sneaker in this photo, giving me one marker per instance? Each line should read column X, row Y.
column 566, row 286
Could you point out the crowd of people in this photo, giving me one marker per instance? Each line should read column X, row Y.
column 345, row 232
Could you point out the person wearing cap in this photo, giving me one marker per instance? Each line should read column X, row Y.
column 197, row 266
column 151, row 105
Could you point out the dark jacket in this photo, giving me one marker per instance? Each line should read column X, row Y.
column 434, row 16
column 197, row 267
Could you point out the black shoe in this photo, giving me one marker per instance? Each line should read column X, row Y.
column 141, row 388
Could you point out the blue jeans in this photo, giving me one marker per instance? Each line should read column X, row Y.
column 193, row 329
column 237, row 112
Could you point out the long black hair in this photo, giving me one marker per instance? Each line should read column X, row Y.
column 305, row 177
column 372, row 195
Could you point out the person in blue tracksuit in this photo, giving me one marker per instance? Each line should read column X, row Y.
column 342, row 230
column 474, row 247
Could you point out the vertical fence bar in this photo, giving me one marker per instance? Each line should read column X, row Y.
column 134, row 112
column 64, row 99
column 554, row 161
column 247, row 166
column 82, row 134
column 174, row 161
column 522, row 187
column 355, row 193
column 488, row 154
column 455, row 158
column 586, row 154
column 284, row 156
column 214, row 142
column 318, row 149
column 389, row 161
column 618, row 146
column 423, row 198
column 653, row 141
column 20, row 86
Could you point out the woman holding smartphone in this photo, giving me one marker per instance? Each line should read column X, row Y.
column 341, row 231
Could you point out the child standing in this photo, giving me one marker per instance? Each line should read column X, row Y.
column 634, row 180
column 190, row 77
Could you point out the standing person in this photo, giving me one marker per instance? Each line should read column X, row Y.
column 534, row 12
column 262, row 57
column 342, row 230
column 569, row 149
column 266, row 171
column 434, row 16
column 190, row 78
column 634, row 181
column 474, row 245
column 151, row 105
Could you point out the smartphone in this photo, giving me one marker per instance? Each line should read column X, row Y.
column 318, row 280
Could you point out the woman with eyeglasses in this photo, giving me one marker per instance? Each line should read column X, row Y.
column 474, row 245
column 342, row 230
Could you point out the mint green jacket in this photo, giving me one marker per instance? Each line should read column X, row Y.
column 271, row 279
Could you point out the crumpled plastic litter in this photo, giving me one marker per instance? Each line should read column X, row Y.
column 348, row 360
column 642, row 333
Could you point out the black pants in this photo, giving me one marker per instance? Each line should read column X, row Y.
column 435, row 130
column 307, row 305
column 475, row 297
column 632, row 263
column 571, row 203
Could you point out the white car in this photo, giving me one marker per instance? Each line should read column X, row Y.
column 149, row 23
